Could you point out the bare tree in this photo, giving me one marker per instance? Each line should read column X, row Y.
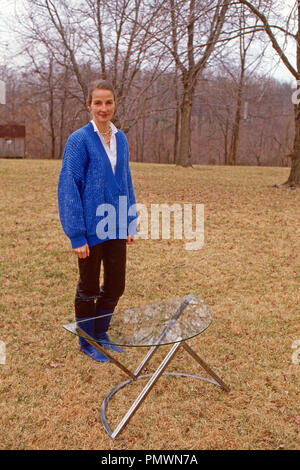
column 195, row 28
column 245, row 40
column 101, row 38
column 284, row 28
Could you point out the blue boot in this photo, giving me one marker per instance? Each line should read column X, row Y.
column 101, row 327
column 88, row 325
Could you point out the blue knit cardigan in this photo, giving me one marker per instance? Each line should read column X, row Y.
column 94, row 203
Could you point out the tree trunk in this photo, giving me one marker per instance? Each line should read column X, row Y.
column 184, row 157
column 62, row 121
column 142, row 140
column 237, row 120
column 51, row 108
column 226, row 140
column 51, row 122
column 294, row 177
column 176, row 136
column 177, row 121
column 137, row 143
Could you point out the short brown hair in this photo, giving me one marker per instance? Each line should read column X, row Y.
column 99, row 85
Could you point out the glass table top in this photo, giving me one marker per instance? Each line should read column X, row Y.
column 161, row 323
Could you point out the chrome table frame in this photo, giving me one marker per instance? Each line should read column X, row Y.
column 153, row 377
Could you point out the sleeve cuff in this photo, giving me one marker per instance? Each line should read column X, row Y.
column 76, row 242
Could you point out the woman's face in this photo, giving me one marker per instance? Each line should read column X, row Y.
column 102, row 106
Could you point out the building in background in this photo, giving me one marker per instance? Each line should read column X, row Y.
column 12, row 140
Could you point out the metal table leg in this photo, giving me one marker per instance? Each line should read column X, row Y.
column 153, row 379
column 205, row 366
column 146, row 390
column 104, row 351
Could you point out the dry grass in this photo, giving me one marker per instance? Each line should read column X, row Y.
column 248, row 272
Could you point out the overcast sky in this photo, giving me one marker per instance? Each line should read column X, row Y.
column 271, row 65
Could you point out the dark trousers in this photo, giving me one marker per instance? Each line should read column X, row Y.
column 112, row 254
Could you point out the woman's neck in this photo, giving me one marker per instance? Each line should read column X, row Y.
column 104, row 128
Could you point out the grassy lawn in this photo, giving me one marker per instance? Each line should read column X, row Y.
column 247, row 272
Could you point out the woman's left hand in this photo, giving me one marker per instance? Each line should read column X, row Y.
column 131, row 239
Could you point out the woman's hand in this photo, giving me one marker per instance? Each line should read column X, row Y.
column 82, row 251
column 131, row 239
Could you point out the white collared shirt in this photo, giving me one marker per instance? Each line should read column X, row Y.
column 112, row 150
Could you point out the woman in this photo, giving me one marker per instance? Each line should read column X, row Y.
column 95, row 198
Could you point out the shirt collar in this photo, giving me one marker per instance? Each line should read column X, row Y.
column 112, row 126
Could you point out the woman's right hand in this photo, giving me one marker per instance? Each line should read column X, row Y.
column 82, row 251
